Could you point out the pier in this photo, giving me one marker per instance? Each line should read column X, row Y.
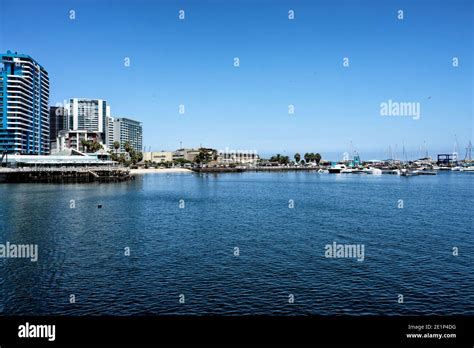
column 252, row 169
column 64, row 174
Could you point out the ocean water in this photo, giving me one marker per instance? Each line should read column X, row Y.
column 182, row 231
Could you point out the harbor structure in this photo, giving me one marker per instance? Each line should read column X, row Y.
column 66, row 166
column 24, row 113
column 446, row 159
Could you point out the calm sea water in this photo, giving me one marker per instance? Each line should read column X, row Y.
column 190, row 251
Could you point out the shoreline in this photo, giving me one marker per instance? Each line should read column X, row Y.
column 159, row 171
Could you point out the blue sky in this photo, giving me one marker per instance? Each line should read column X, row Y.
column 282, row 62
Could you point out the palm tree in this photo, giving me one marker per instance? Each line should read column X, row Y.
column 85, row 145
column 116, row 146
column 127, row 146
column 95, row 146
column 307, row 157
column 297, row 157
column 317, row 158
column 122, row 159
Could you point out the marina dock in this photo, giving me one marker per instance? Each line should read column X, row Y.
column 64, row 174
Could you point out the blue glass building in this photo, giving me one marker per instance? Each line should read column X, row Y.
column 24, row 98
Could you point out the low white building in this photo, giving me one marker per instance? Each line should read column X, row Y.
column 72, row 139
column 240, row 157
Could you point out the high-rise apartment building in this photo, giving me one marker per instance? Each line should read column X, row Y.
column 127, row 130
column 89, row 114
column 109, row 139
column 58, row 121
column 24, row 98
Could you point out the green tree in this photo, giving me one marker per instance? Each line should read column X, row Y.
column 205, row 155
column 84, row 144
column 306, row 157
column 127, row 146
column 317, row 158
column 95, row 146
column 122, row 159
column 276, row 158
column 297, row 157
column 116, row 146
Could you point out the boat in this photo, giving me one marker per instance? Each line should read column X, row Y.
column 391, row 171
column 373, row 171
column 424, row 172
column 467, row 169
column 336, row 169
column 456, row 169
column 406, row 172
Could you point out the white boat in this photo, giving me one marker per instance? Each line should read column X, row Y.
column 373, row 171
column 424, row 172
column 323, row 171
column 391, row 171
column 456, row 169
column 336, row 169
column 406, row 172
column 467, row 169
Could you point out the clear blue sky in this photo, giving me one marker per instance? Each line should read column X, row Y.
column 283, row 62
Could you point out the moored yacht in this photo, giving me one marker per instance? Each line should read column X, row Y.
column 373, row 171
column 336, row 169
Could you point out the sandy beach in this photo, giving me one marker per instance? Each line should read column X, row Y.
column 159, row 171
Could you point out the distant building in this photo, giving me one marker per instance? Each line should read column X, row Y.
column 240, row 157
column 72, row 139
column 24, row 97
column 109, row 136
column 186, row 154
column 58, row 121
column 158, row 156
column 128, row 130
column 89, row 115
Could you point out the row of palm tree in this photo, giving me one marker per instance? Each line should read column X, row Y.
column 135, row 156
column 309, row 157
column 91, row 145
column 280, row 159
